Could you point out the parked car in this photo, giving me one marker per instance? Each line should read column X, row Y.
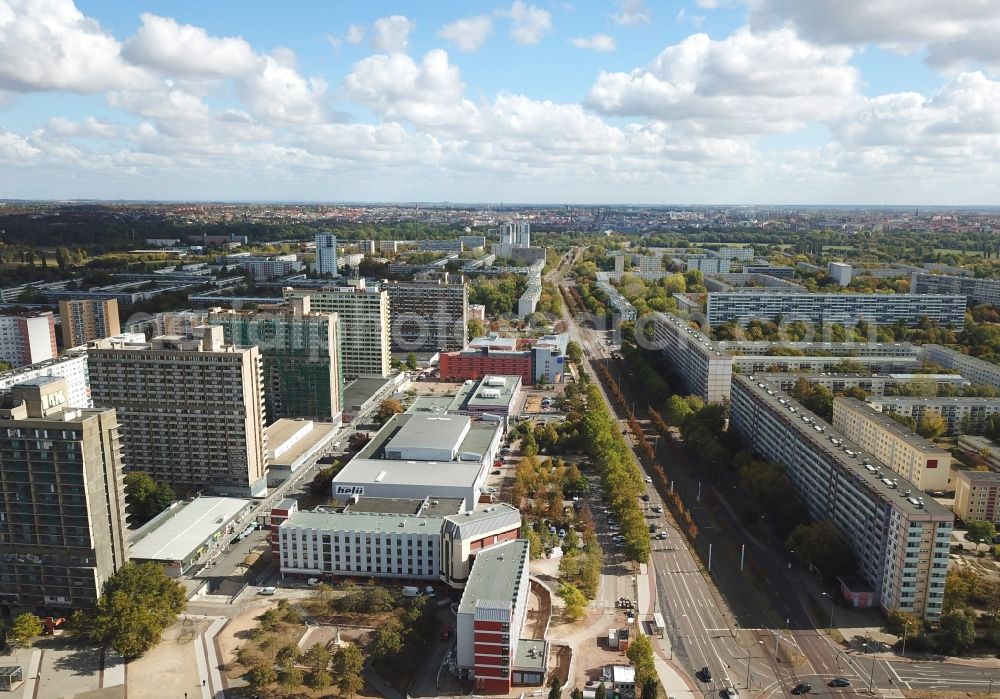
column 313, row 582
column 662, row 535
column 648, row 479
column 802, row 688
column 704, row 674
column 838, row 682
column 731, row 693
column 645, row 497
column 267, row 591
column 496, row 472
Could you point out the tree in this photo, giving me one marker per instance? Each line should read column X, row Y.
column 261, row 675
column 650, row 688
column 317, row 657
column 931, row 425
column 555, row 688
column 319, row 679
column 288, row 653
column 991, row 426
column 23, row 630
column 476, row 328
column 411, row 361
column 577, row 693
column 137, row 604
column 388, row 640
column 897, row 621
column 388, row 408
column 348, row 662
column 145, row 497
column 601, row 692
column 958, row 631
column 574, row 351
column 290, row 676
column 640, row 654
column 820, row 545
column 959, row 586
column 576, row 602
column 980, row 530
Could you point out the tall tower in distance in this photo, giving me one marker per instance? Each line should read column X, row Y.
column 326, row 253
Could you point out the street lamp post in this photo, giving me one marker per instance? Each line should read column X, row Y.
column 906, row 627
column 826, row 594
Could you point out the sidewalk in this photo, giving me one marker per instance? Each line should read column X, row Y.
column 675, row 682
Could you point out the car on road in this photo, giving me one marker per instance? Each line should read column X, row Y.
column 704, row 674
column 838, row 682
column 314, row 582
column 645, row 497
column 802, row 688
column 648, row 479
column 652, row 528
column 730, row 693
column 662, row 535
column 268, row 591
column 495, row 472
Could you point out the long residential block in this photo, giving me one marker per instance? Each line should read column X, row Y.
column 874, row 384
column 703, row 368
column 846, row 309
column 977, row 290
column 977, row 496
column 975, row 370
column 914, row 458
column 962, row 415
column 901, row 541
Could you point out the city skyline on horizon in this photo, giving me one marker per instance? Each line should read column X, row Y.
column 540, row 102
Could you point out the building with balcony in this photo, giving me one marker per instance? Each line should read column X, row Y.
column 962, row 415
column 916, row 459
column 71, row 366
column 900, row 540
column 83, row 321
column 27, row 339
column 977, row 290
column 698, row 363
column 365, row 327
column 977, row 496
column 300, row 353
column 191, row 409
column 947, row 310
column 975, row 370
column 62, row 500
column 428, row 316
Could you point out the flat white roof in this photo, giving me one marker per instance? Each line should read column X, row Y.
column 187, row 529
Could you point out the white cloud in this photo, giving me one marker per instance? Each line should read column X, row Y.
column 955, row 33
column 163, row 44
column 530, row 23
column 355, row 34
column 468, row 34
column 631, row 13
column 397, row 88
column 707, row 4
column 14, row 148
column 391, row 34
column 597, row 42
column 747, row 83
column 88, row 128
column 51, row 45
column 275, row 92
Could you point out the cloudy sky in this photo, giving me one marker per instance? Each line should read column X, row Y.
column 577, row 101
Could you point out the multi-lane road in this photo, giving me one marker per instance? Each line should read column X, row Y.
column 752, row 646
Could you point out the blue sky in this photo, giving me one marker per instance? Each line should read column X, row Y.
column 623, row 101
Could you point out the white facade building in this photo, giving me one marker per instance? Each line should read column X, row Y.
column 326, row 253
column 840, row 272
column 71, row 366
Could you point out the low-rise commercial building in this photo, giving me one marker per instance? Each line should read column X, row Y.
column 947, row 310
column 429, row 539
column 491, row 616
column 900, row 540
column 292, row 444
column 914, row 458
column 421, row 456
column 187, row 533
column 977, row 496
column 704, row 369
column 531, row 359
column 962, row 415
